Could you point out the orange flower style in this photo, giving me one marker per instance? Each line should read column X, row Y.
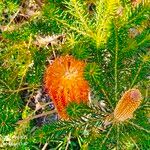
column 65, row 83
column 129, row 102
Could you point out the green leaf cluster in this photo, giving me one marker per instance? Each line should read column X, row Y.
column 112, row 37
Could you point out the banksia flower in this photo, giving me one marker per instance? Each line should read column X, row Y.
column 129, row 102
column 65, row 83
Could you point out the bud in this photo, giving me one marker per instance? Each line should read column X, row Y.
column 126, row 106
column 65, row 83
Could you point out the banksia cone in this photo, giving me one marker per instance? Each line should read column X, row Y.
column 129, row 102
column 65, row 83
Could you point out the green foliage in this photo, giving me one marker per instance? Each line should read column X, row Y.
column 111, row 36
column 77, row 127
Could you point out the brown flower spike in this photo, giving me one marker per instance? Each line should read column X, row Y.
column 65, row 83
column 129, row 102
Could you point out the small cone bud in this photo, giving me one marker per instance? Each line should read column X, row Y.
column 65, row 83
column 126, row 106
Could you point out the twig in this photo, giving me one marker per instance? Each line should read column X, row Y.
column 139, row 127
column 12, row 19
column 14, row 16
column 106, row 136
column 134, row 143
column 118, row 131
column 30, row 39
column 68, row 141
column 45, row 145
column 39, row 3
column 36, row 116
column 116, row 66
column 5, row 84
column 21, row 89
column 137, row 74
column 107, row 98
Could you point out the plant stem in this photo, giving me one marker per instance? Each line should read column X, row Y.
column 138, row 127
column 115, row 67
column 137, row 74
column 36, row 116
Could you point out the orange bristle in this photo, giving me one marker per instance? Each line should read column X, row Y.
column 126, row 106
column 65, row 83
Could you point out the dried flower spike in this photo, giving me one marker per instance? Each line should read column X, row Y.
column 129, row 102
column 65, row 83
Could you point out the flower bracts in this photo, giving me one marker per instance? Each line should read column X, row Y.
column 129, row 102
column 65, row 83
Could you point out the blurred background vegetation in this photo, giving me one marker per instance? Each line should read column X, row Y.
column 111, row 36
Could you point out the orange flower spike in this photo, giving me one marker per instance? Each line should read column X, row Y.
column 129, row 102
column 65, row 83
